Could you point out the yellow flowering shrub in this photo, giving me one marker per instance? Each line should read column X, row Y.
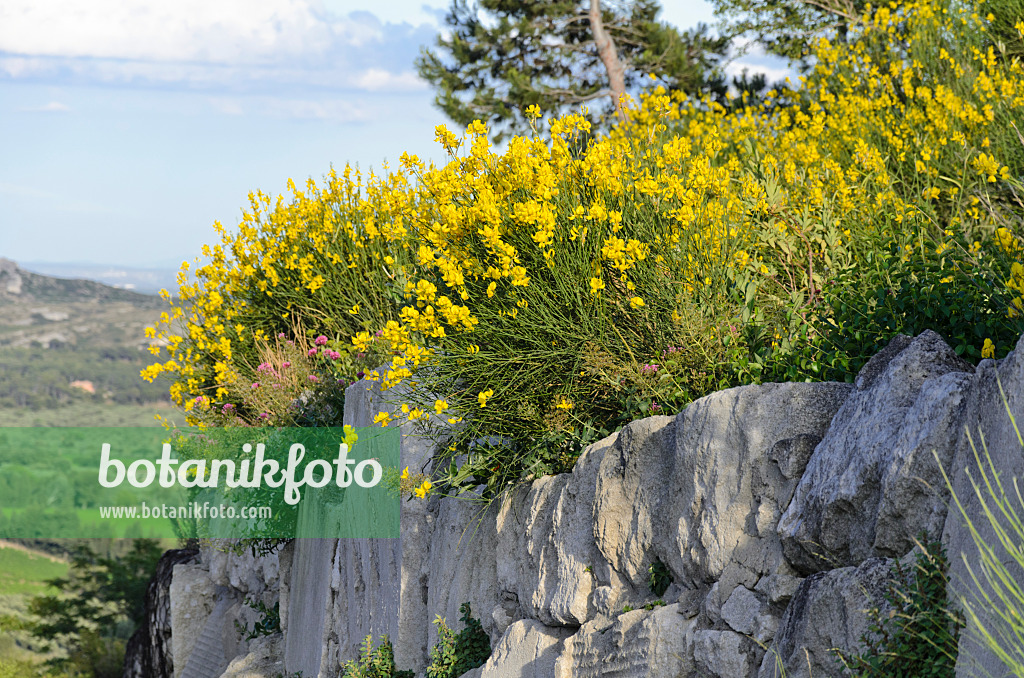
column 571, row 282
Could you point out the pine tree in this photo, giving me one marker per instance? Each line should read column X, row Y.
column 502, row 56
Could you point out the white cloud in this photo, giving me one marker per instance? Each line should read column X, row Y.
column 686, row 13
column 377, row 79
column 752, row 57
column 51, row 107
column 226, row 31
column 258, row 46
column 335, row 110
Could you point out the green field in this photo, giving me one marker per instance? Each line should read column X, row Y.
column 24, row 573
column 87, row 414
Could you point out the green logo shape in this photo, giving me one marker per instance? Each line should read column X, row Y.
column 275, row 483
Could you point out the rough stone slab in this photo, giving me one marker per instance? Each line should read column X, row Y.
column 827, row 611
column 637, row 644
column 149, row 653
column 703, row 492
column 379, row 586
column 216, row 643
column 746, row 614
column 528, row 649
column 193, row 596
column 872, row 484
column 264, row 660
column 463, row 554
column 986, row 415
column 307, row 605
column 722, row 654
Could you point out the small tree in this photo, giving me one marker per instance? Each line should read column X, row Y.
column 502, row 56
column 102, row 600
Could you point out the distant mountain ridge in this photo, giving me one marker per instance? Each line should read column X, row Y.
column 17, row 284
column 144, row 280
column 40, row 310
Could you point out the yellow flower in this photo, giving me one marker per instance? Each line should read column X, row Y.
column 440, row 406
column 354, row 310
column 988, row 350
column 533, row 111
column 564, row 404
column 405, row 473
column 382, row 418
column 423, row 490
column 490, row 289
column 483, row 396
column 636, row 302
column 596, row 285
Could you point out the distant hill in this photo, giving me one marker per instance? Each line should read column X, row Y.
column 145, row 280
column 71, row 352
column 49, row 312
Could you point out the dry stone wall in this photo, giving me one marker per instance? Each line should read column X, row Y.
column 778, row 510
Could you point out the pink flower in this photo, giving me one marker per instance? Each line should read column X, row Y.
column 285, row 365
column 280, row 335
column 255, row 384
column 264, row 415
column 333, row 355
column 313, row 378
column 321, row 340
column 312, row 352
column 649, row 369
column 264, row 367
column 228, row 407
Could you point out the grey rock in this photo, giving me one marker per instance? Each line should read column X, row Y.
column 827, row 611
column 717, row 522
column 723, row 654
column 265, row 659
column 745, row 613
column 528, row 649
column 779, row 588
column 149, row 651
column 987, row 415
column 635, row 644
column 193, row 596
column 872, row 484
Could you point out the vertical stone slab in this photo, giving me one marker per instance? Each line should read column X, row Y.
column 192, row 599
column 376, row 586
column 986, row 415
column 308, row 593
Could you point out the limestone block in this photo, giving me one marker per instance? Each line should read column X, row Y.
column 703, row 492
column 827, row 611
column 265, row 659
column 193, row 597
column 528, row 649
column 722, row 654
column 872, row 484
column 745, row 613
column 986, row 415
column 637, row 644
column 149, row 652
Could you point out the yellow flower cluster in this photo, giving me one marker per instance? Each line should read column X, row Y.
column 636, row 223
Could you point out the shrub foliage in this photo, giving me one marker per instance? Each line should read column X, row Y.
column 538, row 298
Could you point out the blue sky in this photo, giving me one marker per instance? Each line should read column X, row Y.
column 127, row 127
